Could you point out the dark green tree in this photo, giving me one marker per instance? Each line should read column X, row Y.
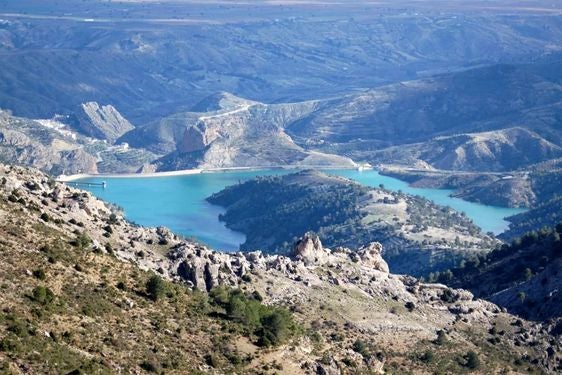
column 155, row 287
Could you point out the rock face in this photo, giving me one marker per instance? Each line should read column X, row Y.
column 50, row 145
column 309, row 249
column 28, row 142
column 100, row 121
column 371, row 256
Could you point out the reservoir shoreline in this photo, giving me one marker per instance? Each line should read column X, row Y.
column 179, row 200
column 186, row 172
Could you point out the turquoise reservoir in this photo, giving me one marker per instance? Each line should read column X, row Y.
column 178, row 202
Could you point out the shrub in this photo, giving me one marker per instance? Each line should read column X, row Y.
column 448, row 296
column 45, row 217
column 212, row 360
column 112, row 218
column 257, row 296
column 359, row 346
column 428, row 356
column 472, row 360
column 43, row 295
column 150, row 366
column 441, row 338
column 17, row 327
column 271, row 325
column 337, row 337
column 349, row 362
column 220, row 295
column 82, row 241
column 39, row 274
column 277, row 327
column 246, row 312
column 10, row 344
column 155, row 287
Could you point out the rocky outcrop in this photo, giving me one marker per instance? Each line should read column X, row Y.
column 371, row 256
column 309, row 249
column 197, row 137
column 100, row 121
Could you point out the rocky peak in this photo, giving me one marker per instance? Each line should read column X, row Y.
column 309, row 249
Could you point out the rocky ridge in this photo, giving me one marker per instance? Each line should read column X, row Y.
column 337, row 291
column 493, row 151
column 231, row 132
column 100, row 121
column 56, row 148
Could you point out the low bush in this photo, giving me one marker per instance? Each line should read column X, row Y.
column 42, row 295
column 472, row 360
column 428, row 356
column 272, row 325
column 361, row 347
column 39, row 274
column 82, row 240
column 155, row 288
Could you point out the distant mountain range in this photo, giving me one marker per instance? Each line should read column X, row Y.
column 148, row 71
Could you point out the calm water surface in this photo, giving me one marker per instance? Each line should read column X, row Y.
column 178, row 202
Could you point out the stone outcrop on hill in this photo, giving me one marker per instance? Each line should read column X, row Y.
column 99, row 121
